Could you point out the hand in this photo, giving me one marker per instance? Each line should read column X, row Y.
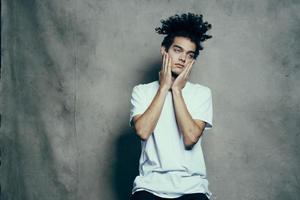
column 165, row 76
column 182, row 78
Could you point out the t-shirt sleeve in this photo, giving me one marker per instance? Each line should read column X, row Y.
column 137, row 103
column 203, row 108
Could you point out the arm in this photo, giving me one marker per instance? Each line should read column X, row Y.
column 190, row 128
column 145, row 123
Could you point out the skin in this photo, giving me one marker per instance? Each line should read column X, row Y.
column 176, row 68
column 181, row 55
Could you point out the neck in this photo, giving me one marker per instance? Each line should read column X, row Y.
column 174, row 76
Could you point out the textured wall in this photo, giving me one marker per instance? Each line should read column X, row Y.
column 68, row 69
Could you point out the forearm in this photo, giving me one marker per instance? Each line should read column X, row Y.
column 146, row 123
column 190, row 130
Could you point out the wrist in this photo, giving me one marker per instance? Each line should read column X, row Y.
column 176, row 90
column 163, row 89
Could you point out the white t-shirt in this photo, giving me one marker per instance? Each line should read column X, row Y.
column 166, row 168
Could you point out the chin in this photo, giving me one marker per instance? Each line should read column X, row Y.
column 176, row 71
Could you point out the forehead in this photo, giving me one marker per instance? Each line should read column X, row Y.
column 184, row 43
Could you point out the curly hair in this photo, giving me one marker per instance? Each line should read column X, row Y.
column 187, row 25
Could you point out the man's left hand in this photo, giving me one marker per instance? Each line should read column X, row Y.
column 182, row 78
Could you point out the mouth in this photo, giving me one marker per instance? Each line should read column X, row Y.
column 179, row 65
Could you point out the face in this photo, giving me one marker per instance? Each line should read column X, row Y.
column 182, row 53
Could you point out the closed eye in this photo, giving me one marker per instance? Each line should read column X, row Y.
column 191, row 56
column 177, row 50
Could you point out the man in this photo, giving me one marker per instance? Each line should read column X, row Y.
column 170, row 115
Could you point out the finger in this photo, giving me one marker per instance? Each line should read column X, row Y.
column 186, row 70
column 190, row 68
column 164, row 63
column 169, row 65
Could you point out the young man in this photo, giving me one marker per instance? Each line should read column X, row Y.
column 170, row 115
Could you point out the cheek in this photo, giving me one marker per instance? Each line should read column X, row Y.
column 173, row 58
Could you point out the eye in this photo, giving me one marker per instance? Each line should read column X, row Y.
column 176, row 50
column 191, row 56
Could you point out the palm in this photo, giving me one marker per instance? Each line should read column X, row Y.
column 182, row 78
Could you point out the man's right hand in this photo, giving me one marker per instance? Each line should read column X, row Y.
column 145, row 123
column 165, row 76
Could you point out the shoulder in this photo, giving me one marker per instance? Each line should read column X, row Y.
column 200, row 89
column 146, row 86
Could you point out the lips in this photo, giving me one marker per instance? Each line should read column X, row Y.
column 179, row 65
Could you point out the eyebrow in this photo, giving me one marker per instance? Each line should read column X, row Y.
column 175, row 45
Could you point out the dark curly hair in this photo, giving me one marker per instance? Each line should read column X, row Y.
column 187, row 25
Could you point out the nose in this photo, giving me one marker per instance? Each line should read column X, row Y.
column 182, row 57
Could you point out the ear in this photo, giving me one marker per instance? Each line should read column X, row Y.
column 162, row 50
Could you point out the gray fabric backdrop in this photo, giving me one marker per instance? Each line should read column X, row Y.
column 68, row 69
